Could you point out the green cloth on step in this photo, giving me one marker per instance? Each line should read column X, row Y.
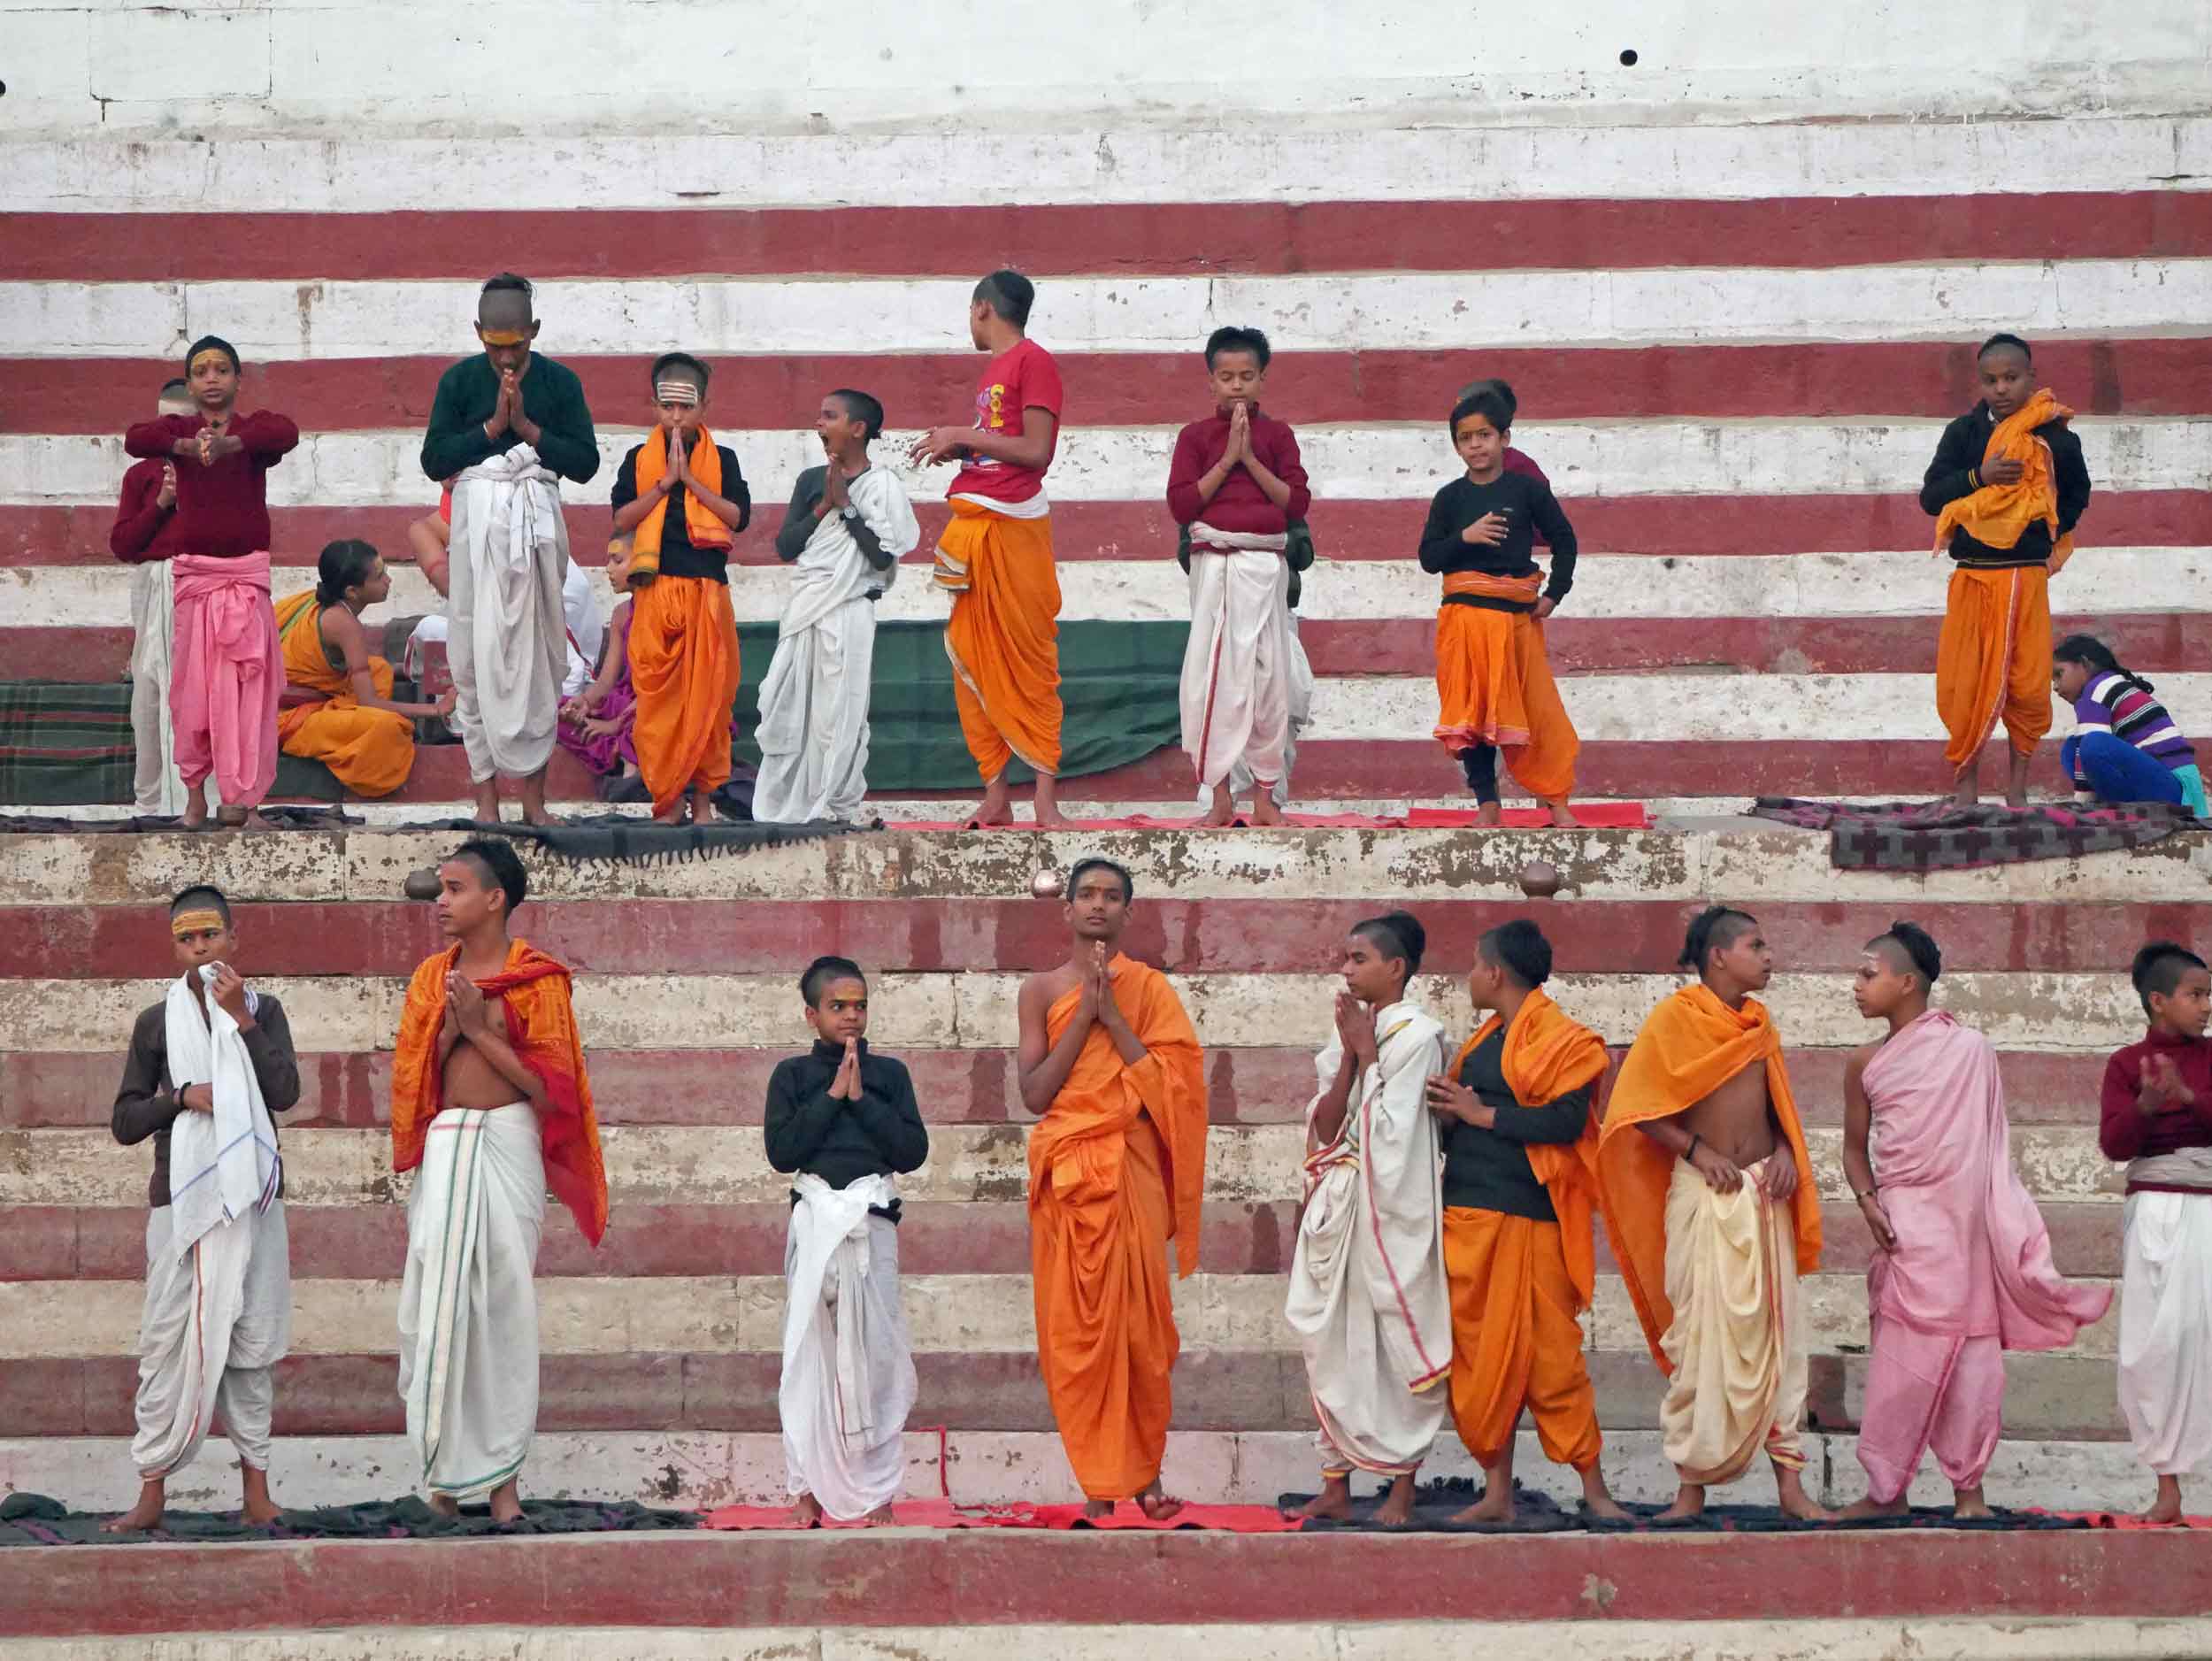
column 1119, row 691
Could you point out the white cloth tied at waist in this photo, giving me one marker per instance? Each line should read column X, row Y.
column 508, row 642
column 223, row 1165
column 2184, row 1168
column 1205, row 535
column 830, row 1227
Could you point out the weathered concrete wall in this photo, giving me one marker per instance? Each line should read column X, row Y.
column 518, row 66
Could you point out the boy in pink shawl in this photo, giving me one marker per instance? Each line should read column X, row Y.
column 1961, row 1269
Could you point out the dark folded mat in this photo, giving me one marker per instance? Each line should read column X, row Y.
column 29, row 1519
column 1941, row 836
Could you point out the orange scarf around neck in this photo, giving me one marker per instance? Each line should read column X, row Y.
column 700, row 522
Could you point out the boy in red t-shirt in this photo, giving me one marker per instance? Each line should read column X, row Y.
column 995, row 558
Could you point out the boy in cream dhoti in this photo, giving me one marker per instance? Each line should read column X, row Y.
column 491, row 1106
column 507, row 427
column 208, row 1067
column 843, row 1117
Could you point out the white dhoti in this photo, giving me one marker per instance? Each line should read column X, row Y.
column 1241, row 777
column 1236, row 669
column 1367, row 1296
column 813, row 730
column 218, row 1281
column 468, row 1305
column 156, row 787
column 2166, row 1316
column 508, row 647
column 848, row 1367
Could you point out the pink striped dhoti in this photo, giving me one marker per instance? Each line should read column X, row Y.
column 225, row 675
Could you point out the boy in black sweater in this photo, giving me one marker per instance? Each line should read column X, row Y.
column 1493, row 681
column 845, row 1121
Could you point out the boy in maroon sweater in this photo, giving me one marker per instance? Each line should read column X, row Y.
column 225, row 673
column 144, row 536
column 2157, row 1116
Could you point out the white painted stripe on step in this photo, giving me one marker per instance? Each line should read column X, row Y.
column 1258, row 161
column 1386, row 311
column 1129, row 464
column 1910, row 583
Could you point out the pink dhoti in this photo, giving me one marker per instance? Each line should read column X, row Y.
column 225, row 675
column 1972, row 1275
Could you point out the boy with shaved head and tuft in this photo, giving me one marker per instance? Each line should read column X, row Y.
column 506, row 427
column 490, row 1106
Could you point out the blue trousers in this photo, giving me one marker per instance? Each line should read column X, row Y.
column 2117, row 771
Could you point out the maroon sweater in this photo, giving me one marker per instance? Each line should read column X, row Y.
column 144, row 530
column 1240, row 504
column 2125, row 1131
column 223, row 508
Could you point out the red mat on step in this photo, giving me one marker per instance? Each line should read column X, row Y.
column 2125, row 1519
column 941, row 1513
column 1590, row 815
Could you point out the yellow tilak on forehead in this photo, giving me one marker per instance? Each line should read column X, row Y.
column 194, row 922
column 502, row 336
column 216, row 352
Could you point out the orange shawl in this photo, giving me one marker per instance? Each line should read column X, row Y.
column 533, row 994
column 1546, row 1055
column 1689, row 1046
column 705, row 529
column 1997, row 514
column 1076, row 1146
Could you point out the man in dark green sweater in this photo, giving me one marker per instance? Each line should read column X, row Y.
column 505, row 428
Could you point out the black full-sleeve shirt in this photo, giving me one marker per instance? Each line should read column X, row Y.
column 146, row 1102
column 1488, row 1170
column 1528, row 506
column 1954, row 474
column 878, row 1132
column 679, row 557
column 552, row 395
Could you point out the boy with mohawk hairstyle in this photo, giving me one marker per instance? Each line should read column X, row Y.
column 208, row 1067
column 842, row 1117
column 2156, row 1117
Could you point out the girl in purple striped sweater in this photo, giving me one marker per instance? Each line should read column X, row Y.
column 2124, row 747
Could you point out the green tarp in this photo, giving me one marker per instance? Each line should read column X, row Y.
column 68, row 743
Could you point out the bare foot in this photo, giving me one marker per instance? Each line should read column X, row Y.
column 1263, row 809
column 1969, row 1505
column 1047, row 812
column 996, row 808
column 807, row 1513
column 1489, row 813
column 1222, row 810
column 1332, row 1504
column 1093, row 1510
column 2017, row 779
column 2017, row 800
column 255, row 1505
column 533, row 800
column 1495, row 1506
column 232, row 818
column 195, row 816
column 1858, row 1511
column 1561, row 818
column 1789, row 1493
column 253, row 821
column 1968, row 791
column 144, row 1515
column 1397, row 1510
column 675, row 815
column 538, row 816
column 1597, row 1499
column 445, row 1506
column 487, row 804
column 2165, row 1509
column 507, row 1502
column 1689, row 1501
column 882, row 1518
column 1159, row 1506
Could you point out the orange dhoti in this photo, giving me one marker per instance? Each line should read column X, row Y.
column 1117, row 1166
column 370, row 751
column 684, row 670
column 1994, row 660
column 1519, row 1284
column 1515, row 1341
column 1003, row 636
column 1495, row 686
